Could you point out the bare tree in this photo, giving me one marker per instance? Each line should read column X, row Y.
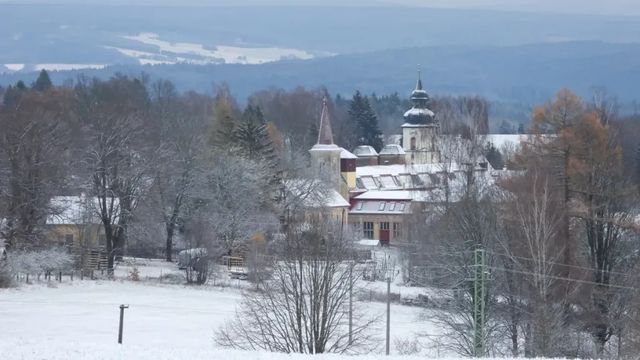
column 181, row 140
column 33, row 146
column 303, row 308
column 531, row 253
column 115, row 153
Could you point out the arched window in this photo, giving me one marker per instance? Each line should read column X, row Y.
column 413, row 143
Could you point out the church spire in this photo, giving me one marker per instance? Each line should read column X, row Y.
column 419, row 83
column 325, row 135
column 419, row 112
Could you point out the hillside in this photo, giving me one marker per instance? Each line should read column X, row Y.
column 525, row 74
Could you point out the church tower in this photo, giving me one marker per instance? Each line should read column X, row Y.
column 325, row 155
column 420, row 129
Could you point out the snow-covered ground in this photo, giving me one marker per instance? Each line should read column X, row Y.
column 174, row 52
column 165, row 319
column 49, row 67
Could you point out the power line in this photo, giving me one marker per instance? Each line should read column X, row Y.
column 559, row 264
column 566, row 279
column 450, row 254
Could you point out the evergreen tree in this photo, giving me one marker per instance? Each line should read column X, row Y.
column 494, row 157
column 252, row 137
column 362, row 115
column 311, row 138
column 223, row 128
column 521, row 129
column 43, row 83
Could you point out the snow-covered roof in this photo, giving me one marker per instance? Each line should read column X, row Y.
column 75, row 210
column 377, row 170
column 501, row 140
column 419, row 112
column 392, row 149
column 346, row 154
column 334, row 199
column 385, row 195
column 368, row 242
column 365, row 150
column 314, row 194
column 325, row 147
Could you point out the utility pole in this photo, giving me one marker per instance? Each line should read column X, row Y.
column 388, row 312
column 122, row 307
column 351, row 303
column 479, row 298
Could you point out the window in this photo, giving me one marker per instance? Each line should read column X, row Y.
column 384, row 226
column 367, row 228
column 392, row 206
column 397, row 230
column 382, row 205
column 402, row 205
column 388, row 181
column 413, row 143
column 359, row 206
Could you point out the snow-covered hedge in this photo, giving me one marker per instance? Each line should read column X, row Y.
column 36, row 262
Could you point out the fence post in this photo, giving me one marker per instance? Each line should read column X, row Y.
column 122, row 307
column 59, row 276
column 388, row 315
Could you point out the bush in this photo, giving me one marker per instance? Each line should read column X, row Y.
column 407, row 347
column 134, row 274
column 42, row 261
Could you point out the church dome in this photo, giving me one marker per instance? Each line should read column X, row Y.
column 419, row 112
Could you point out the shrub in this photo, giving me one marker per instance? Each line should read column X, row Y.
column 42, row 261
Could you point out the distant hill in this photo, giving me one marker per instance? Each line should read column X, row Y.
column 526, row 74
column 80, row 33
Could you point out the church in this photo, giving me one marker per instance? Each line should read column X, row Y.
column 385, row 189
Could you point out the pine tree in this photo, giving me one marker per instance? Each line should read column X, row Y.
column 43, row 83
column 312, row 135
column 362, row 115
column 494, row 157
column 222, row 132
column 251, row 135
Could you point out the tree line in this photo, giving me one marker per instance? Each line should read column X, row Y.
column 149, row 154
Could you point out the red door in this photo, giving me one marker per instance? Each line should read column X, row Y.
column 384, row 236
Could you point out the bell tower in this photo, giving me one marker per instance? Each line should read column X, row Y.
column 325, row 155
column 420, row 129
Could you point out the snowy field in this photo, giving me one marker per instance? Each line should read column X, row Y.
column 165, row 320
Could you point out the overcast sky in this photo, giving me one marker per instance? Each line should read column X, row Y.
column 609, row 7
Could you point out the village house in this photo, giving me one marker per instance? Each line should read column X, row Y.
column 384, row 189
